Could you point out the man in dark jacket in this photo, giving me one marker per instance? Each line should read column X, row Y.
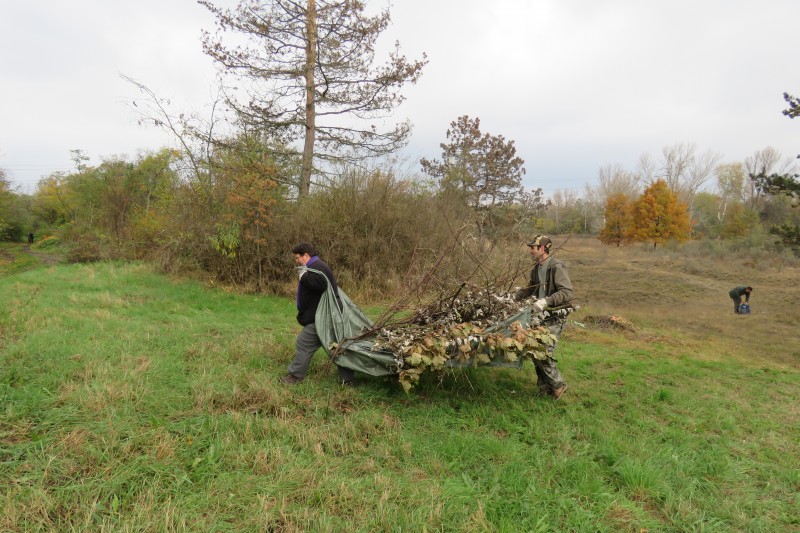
column 737, row 293
column 310, row 288
column 551, row 287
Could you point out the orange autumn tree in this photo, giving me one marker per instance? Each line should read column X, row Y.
column 658, row 215
column 618, row 227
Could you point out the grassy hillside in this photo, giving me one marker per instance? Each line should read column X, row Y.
column 134, row 402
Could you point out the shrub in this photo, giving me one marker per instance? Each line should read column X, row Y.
column 47, row 243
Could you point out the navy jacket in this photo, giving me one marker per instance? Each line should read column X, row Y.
column 311, row 288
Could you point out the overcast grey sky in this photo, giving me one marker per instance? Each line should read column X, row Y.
column 577, row 84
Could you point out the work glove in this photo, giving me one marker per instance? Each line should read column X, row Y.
column 539, row 305
column 301, row 270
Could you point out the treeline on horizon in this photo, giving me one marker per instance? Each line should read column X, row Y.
column 238, row 219
column 307, row 156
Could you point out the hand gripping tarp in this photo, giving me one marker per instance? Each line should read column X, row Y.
column 335, row 327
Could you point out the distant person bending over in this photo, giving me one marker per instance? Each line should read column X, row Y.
column 551, row 287
column 311, row 286
column 740, row 295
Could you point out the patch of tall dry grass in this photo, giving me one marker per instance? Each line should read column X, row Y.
column 683, row 289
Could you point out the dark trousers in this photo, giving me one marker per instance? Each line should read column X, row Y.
column 306, row 344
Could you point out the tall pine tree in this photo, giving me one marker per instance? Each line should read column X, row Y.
column 304, row 71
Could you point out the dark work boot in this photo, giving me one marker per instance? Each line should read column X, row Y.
column 291, row 379
column 557, row 393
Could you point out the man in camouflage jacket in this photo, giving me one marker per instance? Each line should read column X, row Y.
column 551, row 287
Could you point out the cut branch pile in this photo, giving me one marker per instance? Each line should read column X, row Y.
column 462, row 330
column 611, row 322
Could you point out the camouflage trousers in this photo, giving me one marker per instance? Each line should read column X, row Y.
column 546, row 369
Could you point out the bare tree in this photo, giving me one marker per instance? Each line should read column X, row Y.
column 765, row 162
column 305, row 69
column 646, row 169
column 685, row 171
column 768, row 161
column 701, row 169
column 193, row 134
column 675, row 162
column 614, row 180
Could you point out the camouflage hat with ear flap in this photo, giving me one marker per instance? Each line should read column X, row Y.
column 541, row 240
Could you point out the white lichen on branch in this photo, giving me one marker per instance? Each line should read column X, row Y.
column 466, row 329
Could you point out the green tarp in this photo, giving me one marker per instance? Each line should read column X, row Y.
column 335, row 327
column 338, row 328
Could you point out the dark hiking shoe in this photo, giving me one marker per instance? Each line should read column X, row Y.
column 347, row 383
column 290, row 379
column 557, row 393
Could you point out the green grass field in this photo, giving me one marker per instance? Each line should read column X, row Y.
column 136, row 402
